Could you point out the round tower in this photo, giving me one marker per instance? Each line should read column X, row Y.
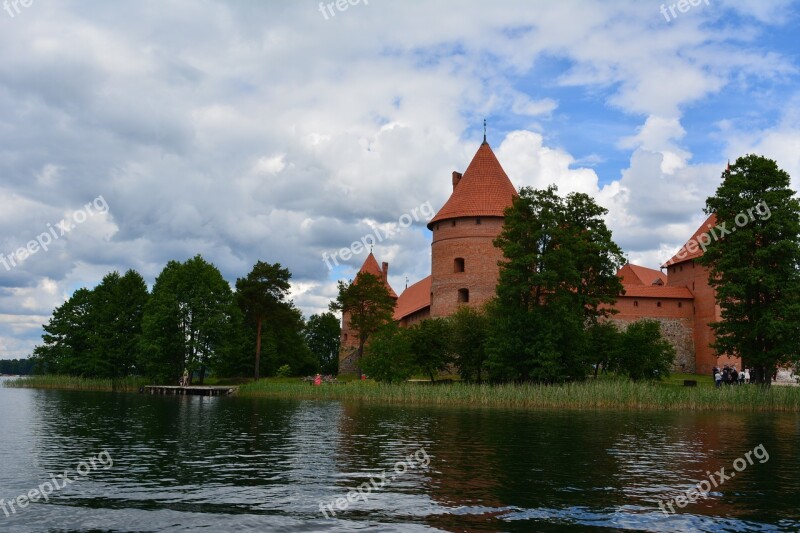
column 464, row 260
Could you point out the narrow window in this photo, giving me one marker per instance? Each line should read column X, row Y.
column 463, row 296
column 636, row 303
column 345, row 337
column 658, row 304
column 478, row 220
column 454, row 223
column 680, row 304
column 458, row 265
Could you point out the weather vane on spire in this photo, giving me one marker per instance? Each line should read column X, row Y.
column 370, row 245
column 484, row 131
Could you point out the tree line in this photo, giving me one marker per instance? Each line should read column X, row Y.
column 16, row 367
column 191, row 320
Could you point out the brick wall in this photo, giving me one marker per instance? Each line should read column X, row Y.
column 474, row 243
column 695, row 277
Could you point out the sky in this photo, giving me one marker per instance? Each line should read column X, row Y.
column 137, row 132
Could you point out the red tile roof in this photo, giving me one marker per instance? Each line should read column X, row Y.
column 638, row 275
column 691, row 250
column 484, row 190
column 413, row 299
column 370, row 266
column 657, row 291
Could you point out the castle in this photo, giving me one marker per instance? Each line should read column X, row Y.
column 464, row 271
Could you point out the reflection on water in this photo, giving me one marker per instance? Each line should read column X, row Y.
column 186, row 463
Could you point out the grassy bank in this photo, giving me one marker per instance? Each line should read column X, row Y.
column 77, row 383
column 604, row 394
column 600, row 394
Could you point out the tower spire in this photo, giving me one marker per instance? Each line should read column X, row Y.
column 484, row 131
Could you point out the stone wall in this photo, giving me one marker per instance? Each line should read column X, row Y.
column 679, row 333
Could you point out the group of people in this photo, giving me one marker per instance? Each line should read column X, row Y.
column 730, row 376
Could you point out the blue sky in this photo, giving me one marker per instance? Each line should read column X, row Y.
column 252, row 130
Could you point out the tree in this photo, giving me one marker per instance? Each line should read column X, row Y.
column 66, row 338
column 557, row 278
column 366, row 305
column 186, row 321
column 430, row 346
column 388, row 357
column 753, row 266
column 260, row 294
column 118, row 304
column 642, row 353
column 602, row 345
column 322, row 334
column 468, row 331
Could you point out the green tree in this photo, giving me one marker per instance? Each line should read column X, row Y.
column 602, row 345
column 642, row 353
column 754, row 266
column 260, row 295
column 469, row 329
column 66, row 338
column 118, row 304
column 366, row 304
column 559, row 271
column 388, row 357
column 186, row 321
column 430, row 346
column 322, row 334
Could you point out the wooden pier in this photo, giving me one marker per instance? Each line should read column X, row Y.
column 189, row 391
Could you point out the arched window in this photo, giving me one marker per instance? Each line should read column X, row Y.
column 463, row 296
column 458, row 264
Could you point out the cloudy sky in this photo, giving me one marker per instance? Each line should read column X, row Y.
column 280, row 130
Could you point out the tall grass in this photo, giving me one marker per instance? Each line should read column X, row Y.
column 610, row 394
column 78, row 383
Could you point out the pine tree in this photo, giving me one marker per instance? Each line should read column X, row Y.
column 262, row 294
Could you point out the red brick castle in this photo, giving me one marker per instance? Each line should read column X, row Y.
column 464, row 271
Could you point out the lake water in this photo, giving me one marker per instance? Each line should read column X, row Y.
column 230, row 464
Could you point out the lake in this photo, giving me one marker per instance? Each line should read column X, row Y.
column 151, row 463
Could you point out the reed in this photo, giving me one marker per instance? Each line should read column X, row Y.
column 606, row 394
column 77, row 383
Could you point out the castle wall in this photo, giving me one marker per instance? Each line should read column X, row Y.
column 474, row 242
column 695, row 277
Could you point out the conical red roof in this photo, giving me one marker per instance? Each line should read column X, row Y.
column 370, row 266
column 484, row 190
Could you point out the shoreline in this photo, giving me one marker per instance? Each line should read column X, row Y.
column 588, row 395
